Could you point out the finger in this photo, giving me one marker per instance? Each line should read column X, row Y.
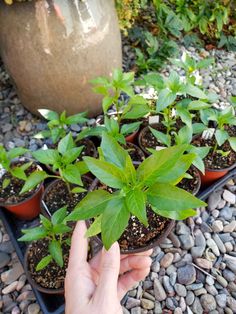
column 109, row 272
column 128, row 280
column 79, row 245
column 135, row 262
column 146, row 253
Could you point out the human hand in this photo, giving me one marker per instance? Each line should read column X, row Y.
column 97, row 286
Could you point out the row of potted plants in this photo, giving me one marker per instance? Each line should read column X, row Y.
column 130, row 176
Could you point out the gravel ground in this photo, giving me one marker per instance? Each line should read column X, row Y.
column 194, row 271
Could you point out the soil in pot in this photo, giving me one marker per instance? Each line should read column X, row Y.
column 191, row 185
column 215, row 161
column 52, row 276
column 11, row 194
column 137, row 236
column 89, row 148
column 56, row 195
column 135, row 152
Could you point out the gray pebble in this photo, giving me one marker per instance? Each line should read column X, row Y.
column 186, row 275
column 190, row 298
column 208, row 302
column 159, row 291
column 186, row 241
column 221, row 300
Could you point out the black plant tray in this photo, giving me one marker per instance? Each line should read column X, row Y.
column 56, row 304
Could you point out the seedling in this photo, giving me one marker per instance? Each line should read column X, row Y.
column 112, row 90
column 56, row 231
column 58, row 124
column 62, row 160
column 152, row 184
column 6, row 159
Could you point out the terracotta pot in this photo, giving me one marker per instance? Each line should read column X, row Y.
column 29, row 208
column 131, row 137
column 33, row 283
column 52, row 49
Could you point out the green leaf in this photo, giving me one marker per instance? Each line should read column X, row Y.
column 71, row 174
column 165, row 99
column 76, row 118
column 232, row 142
column 168, row 197
column 185, row 135
column 185, row 116
column 176, row 173
column 198, row 128
column 78, row 190
column 59, row 216
column 198, row 105
column 137, row 111
column 130, row 128
column 107, row 173
column 47, row 156
column 195, row 91
column 5, row 183
column 158, row 164
column 33, row 180
column 72, row 154
column 82, row 168
column 56, row 252
column 45, row 222
column 44, row 262
column 221, row 136
column 205, row 63
column 136, row 204
column 61, row 229
column 16, row 152
column 114, row 221
column 174, row 214
column 92, row 205
column 161, row 137
column 112, row 151
column 66, row 144
column 95, row 227
column 106, row 103
column 49, row 114
column 33, row 234
column 18, row 173
column 43, row 134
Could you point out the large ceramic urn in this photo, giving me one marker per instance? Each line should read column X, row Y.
column 53, row 48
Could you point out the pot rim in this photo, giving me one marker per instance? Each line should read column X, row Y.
column 141, row 135
column 29, row 197
column 35, row 284
column 198, row 186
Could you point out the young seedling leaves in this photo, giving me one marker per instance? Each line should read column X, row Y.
column 232, row 142
column 33, row 234
column 221, row 136
column 59, row 216
column 33, row 180
column 46, row 156
column 65, row 144
column 44, row 262
column 56, row 252
column 95, row 227
column 136, row 204
column 49, row 114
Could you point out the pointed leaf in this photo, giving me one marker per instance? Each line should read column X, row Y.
column 165, row 99
column 95, row 227
column 136, row 204
column 232, row 141
column 33, row 234
column 46, row 156
column 66, row 144
column 221, row 136
column 56, row 252
column 72, row 175
column 44, row 262
column 59, row 216
column 175, row 214
column 72, row 154
column 33, row 180
column 16, row 152
column 49, row 114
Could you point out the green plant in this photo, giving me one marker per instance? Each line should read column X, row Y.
column 152, row 184
column 56, row 231
column 58, row 124
column 224, row 119
column 63, row 159
column 183, row 136
column 6, row 159
column 112, row 89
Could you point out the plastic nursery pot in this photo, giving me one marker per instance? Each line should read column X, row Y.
column 131, row 137
column 34, row 284
column 156, row 242
column 29, row 208
column 142, row 134
column 212, row 175
column 196, row 177
column 199, row 182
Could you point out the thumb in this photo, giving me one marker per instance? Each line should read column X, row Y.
column 109, row 272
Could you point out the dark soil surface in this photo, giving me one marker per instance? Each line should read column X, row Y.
column 52, row 276
column 148, row 140
column 215, row 160
column 135, row 152
column 190, row 185
column 58, row 196
column 89, row 148
column 137, row 235
column 10, row 195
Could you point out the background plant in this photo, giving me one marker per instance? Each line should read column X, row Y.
column 56, row 231
column 153, row 183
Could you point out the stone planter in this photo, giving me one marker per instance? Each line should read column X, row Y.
column 52, row 49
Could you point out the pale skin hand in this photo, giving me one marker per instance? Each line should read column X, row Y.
column 98, row 286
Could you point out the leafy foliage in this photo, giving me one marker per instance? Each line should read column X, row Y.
column 134, row 189
column 56, row 231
